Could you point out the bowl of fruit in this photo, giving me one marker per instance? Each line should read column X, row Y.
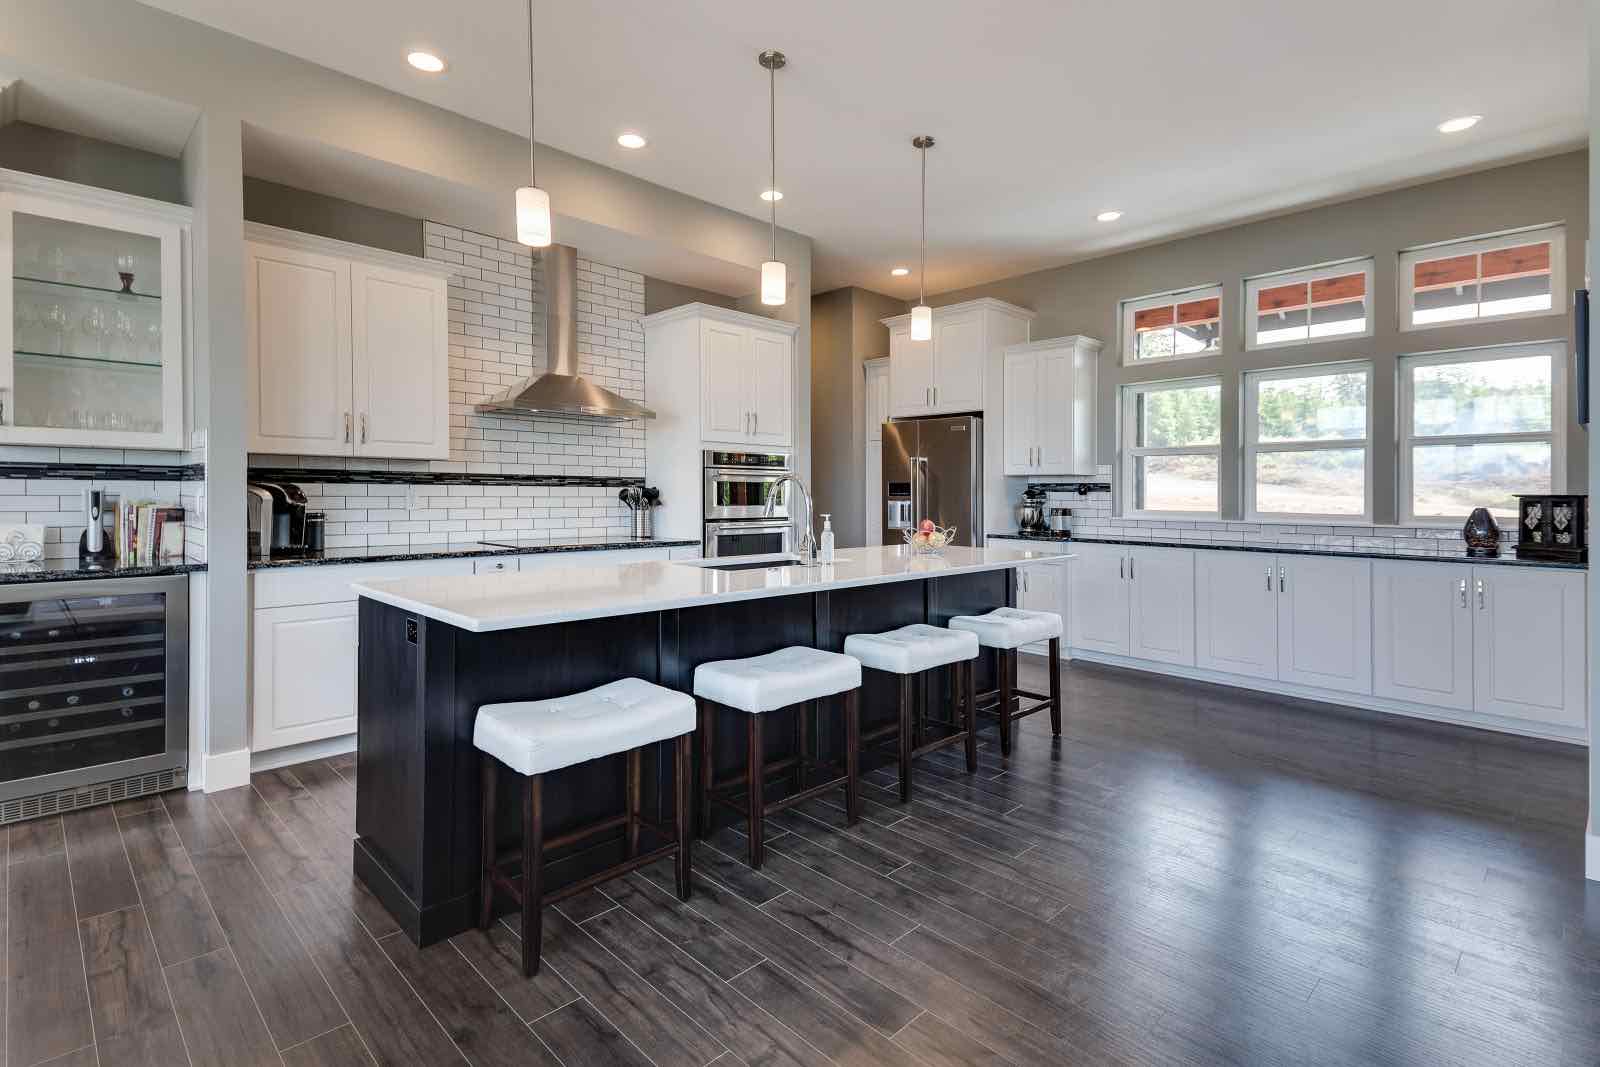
column 928, row 538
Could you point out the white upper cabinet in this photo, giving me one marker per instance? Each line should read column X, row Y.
column 1325, row 622
column 959, row 369
column 346, row 349
column 877, row 400
column 1049, row 406
column 1529, row 640
column 725, row 381
column 1422, row 632
column 744, row 367
column 93, row 307
column 772, row 388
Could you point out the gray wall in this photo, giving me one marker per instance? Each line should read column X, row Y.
column 73, row 158
column 1083, row 297
column 1593, row 192
column 329, row 216
column 660, row 294
column 845, row 333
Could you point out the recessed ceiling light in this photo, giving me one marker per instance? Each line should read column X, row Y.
column 771, row 195
column 1108, row 216
column 1456, row 125
column 900, row 272
column 631, row 140
column 426, row 62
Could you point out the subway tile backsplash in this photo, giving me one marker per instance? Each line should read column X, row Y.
column 1093, row 516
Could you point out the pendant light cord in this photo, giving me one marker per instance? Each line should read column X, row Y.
column 772, row 120
column 533, row 178
column 922, row 267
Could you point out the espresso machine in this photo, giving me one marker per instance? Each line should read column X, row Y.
column 277, row 519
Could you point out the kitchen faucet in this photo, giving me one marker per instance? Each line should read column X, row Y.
column 808, row 543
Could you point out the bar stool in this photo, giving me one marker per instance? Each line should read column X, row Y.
column 1005, row 630
column 532, row 737
column 911, row 652
column 778, row 681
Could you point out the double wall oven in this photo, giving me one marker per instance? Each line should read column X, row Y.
column 737, row 488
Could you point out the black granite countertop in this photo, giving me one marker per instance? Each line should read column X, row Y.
column 398, row 553
column 68, row 570
column 1297, row 550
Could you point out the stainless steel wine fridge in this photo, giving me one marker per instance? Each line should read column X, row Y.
column 94, row 692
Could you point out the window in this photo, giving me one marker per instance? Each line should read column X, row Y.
column 1305, row 306
column 1476, row 428
column 1172, row 325
column 1172, row 434
column 1503, row 277
column 1308, row 443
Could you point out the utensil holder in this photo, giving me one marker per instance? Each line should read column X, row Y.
column 644, row 524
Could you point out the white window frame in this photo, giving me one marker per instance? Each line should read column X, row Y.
column 1556, row 235
column 1253, row 448
column 1253, row 287
column 1130, row 355
column 1130, row 454
column 1556, row 435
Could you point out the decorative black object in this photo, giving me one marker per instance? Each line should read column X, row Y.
column 1551, row 526
column 1482, row 534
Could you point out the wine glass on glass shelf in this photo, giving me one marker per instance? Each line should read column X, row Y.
column 24, row 325
column 96, row 329
column 152, row 340
column 127, row 338
column 57, row 324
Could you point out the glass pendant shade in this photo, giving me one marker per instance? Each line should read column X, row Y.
column 774, row 282
column 533, row 216
column 922, row 323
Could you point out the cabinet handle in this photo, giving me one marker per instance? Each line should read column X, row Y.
column 1480, row 594
column 755, row 422
column 2, row 407
column 347, row 427
column 1463, row 592
column 1282, row 574
column 936, row 395
column 1269, row 577
column 363, row 427
column 1122, row 561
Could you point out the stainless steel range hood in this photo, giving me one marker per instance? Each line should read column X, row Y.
column 560, row 390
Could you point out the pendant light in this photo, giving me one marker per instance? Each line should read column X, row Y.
column 533, row 203
column 774, row 276
column 922, row 314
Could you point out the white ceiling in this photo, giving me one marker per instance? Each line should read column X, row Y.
column 1184, row 115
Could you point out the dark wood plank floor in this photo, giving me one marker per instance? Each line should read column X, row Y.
column 1193, row 875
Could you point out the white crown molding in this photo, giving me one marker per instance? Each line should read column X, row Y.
column 1050, row 343
column 327, row 246
column 988, row 303
column 16, row 181
column 711, row 311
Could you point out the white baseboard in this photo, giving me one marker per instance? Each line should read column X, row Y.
column 1327, row 696
column 224, row 770
column 1591, row 854
column 274, row 758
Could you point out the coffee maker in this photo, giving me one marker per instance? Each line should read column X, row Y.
column 277, row 518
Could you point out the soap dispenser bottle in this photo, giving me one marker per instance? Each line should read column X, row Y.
column 826, row 553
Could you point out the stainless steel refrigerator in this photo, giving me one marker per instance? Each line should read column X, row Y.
column 933, row 469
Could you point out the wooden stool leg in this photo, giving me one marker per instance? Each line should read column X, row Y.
column 755, row 793
column 956, row 693
column 907, row 735
column 633, row 790
column 802, row 718
column 486, row 889
column 532, row 873
column 708, row 714
column 852, row 757
column 1055, row 686
column 680, row 784
column 969, row 674
column 1006, row 699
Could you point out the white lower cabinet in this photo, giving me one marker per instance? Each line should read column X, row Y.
column 1422, row 633
column 1161, row 604
column 1325, row 622
column 1042, row 587
column 1097, row 598
column 1236, row 613
column 305, row 674
column 1528, row 644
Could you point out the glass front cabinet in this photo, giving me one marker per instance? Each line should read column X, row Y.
column 93, row 302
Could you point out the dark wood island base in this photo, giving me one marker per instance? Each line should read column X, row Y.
column 421, row 682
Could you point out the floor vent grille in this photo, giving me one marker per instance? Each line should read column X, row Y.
column 63, row 800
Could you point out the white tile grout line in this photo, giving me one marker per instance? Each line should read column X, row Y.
column 527, row 1024
column 908, row 1023
column 144, row 913
column 77, row 928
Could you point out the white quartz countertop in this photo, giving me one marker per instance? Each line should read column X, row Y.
column 485, row 602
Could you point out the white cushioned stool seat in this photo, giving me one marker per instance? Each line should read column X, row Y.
column 912, row 649
column 1010, row 627
column 535, row 736
column 776, row 680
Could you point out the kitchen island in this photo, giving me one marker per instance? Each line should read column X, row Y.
column 433, row 650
